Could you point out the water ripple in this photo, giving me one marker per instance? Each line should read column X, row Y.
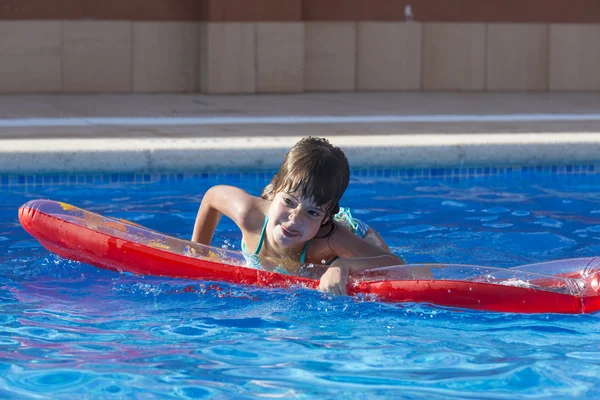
column 69, row 330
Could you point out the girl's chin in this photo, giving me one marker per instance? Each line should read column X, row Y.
column 285, row 241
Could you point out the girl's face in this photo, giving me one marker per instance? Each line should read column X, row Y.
column 294, row 219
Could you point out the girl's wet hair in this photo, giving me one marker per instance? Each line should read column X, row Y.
column 313, row 169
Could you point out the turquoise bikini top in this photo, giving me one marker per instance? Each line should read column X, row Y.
column 344, row 217
column 262, row 239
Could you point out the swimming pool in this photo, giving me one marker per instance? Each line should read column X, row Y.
column 70, row 329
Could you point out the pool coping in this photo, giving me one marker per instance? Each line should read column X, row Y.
column 151, row 155
column 92, row 133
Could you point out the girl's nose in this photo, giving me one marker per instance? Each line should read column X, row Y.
column 296, row 216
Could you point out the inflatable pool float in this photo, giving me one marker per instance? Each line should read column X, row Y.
column 565, row 286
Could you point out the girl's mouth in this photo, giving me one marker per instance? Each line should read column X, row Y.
column 289, row 233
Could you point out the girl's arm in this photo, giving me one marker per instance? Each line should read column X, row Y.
column 355, row 255
column 335, row 279
column 219, row 200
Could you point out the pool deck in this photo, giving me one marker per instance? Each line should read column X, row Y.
column 156, row 132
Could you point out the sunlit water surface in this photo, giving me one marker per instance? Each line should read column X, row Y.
column 69, row 329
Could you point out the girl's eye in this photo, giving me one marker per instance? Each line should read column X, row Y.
column 314, row 214
column 287, row 201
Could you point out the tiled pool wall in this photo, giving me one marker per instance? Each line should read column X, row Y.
column 455, row 174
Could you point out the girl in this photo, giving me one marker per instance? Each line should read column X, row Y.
column 298, row 218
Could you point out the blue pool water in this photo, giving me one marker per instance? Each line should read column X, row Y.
column 69, row 329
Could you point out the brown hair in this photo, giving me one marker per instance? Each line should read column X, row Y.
column 315, row 169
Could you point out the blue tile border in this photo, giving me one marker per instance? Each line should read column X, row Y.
column 462, row 173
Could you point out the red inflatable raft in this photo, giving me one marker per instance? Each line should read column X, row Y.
column 565, row 286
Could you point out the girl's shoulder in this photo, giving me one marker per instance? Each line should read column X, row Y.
column 328, row 243
column 254, row 217
column 344, row 243
column 340, row 238
column 248, row 211
column 228, row 192
column 225, row 194
column 243, row 208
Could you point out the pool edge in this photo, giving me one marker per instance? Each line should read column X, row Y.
column 213, row 153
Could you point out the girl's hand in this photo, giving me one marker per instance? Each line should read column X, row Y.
column 334, row 280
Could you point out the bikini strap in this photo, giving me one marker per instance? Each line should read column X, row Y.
column 303, row 255
column 262, row 235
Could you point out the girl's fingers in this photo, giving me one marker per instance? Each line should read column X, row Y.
column 334, row 281
column 329, row 289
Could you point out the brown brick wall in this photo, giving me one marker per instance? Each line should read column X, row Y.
column 140, row 10
column 547, row 11
column 253, row 10
column 544, row 11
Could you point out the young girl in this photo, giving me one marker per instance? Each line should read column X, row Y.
column 298, row 217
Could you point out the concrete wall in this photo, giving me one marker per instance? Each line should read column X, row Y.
column 292, row 46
